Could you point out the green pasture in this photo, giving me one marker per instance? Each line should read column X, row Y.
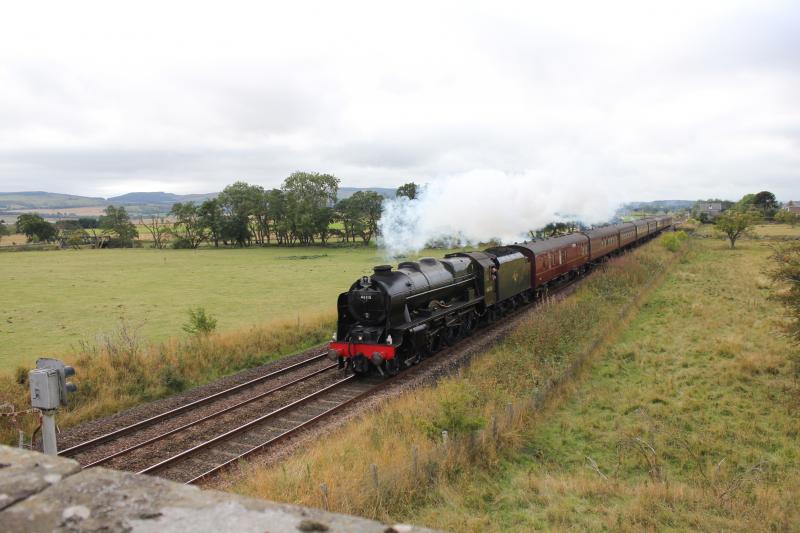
column 52, row 300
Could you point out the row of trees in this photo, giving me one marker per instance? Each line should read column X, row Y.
column 113, row 228
column 304, row 210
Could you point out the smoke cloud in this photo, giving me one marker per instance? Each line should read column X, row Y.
column 485, row 205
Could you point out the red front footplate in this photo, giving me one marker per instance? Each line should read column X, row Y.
column 347, row 349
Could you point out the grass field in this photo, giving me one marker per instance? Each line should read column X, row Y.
column 703, row 377
column 51, row 300
column 776, row 230
column 686, row 419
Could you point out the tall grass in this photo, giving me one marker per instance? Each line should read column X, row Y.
column 399, row 457
column 119, row 370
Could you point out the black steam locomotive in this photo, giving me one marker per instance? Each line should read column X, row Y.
column 395, row 318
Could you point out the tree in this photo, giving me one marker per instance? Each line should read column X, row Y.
column 116, row 221
column 359, row 215
column 92, row 228
column 310, row 198
column 240, row 202
column 188, row 225
column 159, row 230
column 786, row 272
column 75, row 237
column 212, row 218
column 766, row 202
column 4, row 229
column 345, row 214
column 409, row 190
column 244, row 213
column 784, row 216
column 35, row 228
column 733, row 224
column 277, row 213
column 746, row 203
column 370, row 206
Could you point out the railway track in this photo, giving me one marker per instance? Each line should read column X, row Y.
column 121, row 447
column 197, row 440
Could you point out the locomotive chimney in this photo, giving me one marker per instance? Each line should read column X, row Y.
column 382, row 268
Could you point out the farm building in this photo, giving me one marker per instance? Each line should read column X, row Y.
column 711, row 209
column 792, row 206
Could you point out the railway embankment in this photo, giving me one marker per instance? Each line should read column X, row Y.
column 686, row 420
column 406, row 452
column 45, row 493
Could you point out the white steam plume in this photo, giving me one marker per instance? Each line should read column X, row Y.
column 487, row 204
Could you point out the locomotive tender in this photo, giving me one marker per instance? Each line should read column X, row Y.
column 395, row 318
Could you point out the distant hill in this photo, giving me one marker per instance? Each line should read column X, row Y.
column 658, row 205
column 155, row 198
column 17, row 201
column 137, row 202
column 347, row 192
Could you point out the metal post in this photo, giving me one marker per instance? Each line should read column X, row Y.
column 49, row 432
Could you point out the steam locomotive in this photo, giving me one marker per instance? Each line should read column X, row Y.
column 394, row 318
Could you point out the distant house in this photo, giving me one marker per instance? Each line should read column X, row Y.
column 792, row 207
column 711, row 209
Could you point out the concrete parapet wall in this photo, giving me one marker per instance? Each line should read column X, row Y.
column 44, row 493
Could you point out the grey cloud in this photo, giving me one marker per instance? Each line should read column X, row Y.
column 705, row 106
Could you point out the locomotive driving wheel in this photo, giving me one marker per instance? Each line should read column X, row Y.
column 392, row 366
column 451, row 335
column 432, row 344
column 467, row 325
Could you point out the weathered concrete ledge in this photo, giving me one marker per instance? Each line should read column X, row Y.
column 44, row 493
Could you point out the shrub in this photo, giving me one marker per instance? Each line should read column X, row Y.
column 456, row 412
column 173, row 380
column 672, row 240
column 200, row 323
column 21, row 375
column 182, row 243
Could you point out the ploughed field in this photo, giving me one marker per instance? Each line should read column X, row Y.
column 52, row 300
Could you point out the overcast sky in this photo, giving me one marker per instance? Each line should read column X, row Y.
column 655, row 100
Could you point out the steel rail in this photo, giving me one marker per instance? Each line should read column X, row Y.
column 284, row 435
column 208, row 417
column 68, row 452
column 243, row 427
